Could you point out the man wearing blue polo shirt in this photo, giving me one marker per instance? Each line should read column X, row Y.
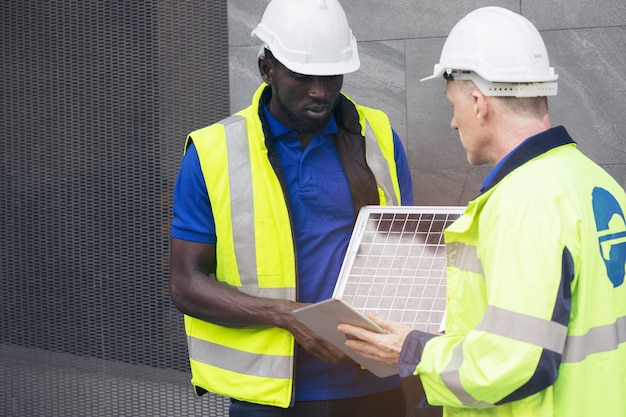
column 264, row 206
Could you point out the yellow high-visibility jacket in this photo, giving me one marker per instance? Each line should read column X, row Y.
column 536, row 309
column 255, row 247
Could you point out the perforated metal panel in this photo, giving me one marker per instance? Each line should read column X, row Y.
column 96, row 100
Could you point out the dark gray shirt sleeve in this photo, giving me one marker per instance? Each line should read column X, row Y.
column 411, row 353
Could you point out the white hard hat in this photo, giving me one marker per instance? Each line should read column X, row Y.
column 310, row 37
column 501, row 51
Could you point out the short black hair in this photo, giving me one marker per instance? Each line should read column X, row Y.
column 269, row 55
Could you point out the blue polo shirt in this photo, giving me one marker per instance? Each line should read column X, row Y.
column 323, row 217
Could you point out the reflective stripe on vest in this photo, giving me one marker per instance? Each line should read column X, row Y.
column 273, row 366
column 242, row 209
column 379, row 166
column 539, row 332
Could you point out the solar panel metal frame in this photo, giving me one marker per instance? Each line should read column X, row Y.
column 395, row 264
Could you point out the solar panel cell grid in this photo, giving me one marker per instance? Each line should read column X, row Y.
column 396, row 264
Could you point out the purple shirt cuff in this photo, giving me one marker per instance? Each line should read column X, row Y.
column 411, row 353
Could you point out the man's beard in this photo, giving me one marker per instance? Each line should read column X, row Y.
column 303, row 126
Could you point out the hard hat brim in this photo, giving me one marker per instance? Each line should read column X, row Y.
column 432, row 77
column 325, row 69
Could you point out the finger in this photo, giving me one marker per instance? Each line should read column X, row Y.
column 391, row 326
column 322, row 349
column 384, row 322
column 378, row 352
column 355, row 331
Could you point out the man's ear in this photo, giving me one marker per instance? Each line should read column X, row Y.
column 266, row 69
column 481, row 104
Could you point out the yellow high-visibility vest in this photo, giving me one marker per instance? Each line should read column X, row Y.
column 255, row 249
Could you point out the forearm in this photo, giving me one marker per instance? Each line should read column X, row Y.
column 196, row 292
column 207, row 299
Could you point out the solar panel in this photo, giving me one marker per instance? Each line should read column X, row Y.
column 395, row 264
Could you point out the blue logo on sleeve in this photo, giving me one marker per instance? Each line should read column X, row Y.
column 611, row 227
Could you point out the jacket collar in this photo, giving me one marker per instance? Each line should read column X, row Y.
column 527, row 150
